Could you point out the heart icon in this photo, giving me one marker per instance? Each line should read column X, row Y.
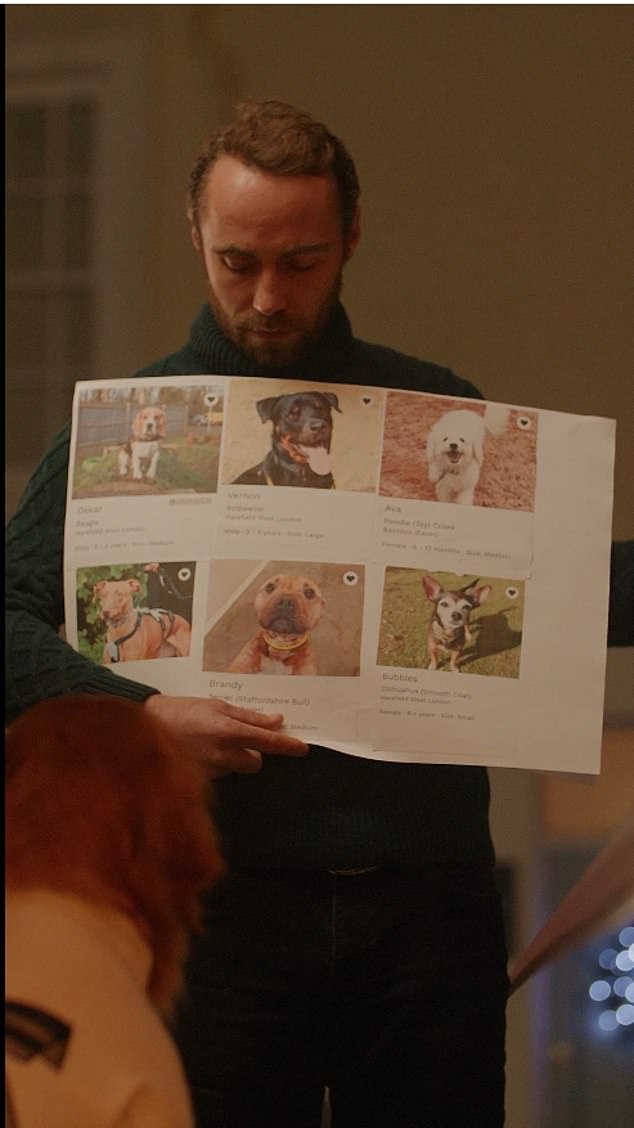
column 350, row 578
column 512, row 593
column 523, row 422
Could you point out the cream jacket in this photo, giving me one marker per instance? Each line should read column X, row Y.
column 98, row 1055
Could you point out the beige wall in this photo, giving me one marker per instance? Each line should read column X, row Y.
column 492, row 145
column 596, row 807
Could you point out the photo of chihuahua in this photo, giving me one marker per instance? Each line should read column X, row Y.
column 451, row 622
column 449, row 632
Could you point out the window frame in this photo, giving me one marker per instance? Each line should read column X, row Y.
column 112, row 70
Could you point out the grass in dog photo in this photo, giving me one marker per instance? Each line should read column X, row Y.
column 137, row 441
column 451, row 623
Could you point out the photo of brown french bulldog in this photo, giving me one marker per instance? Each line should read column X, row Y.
column 449, row 632
column 300, row 441
column 287, row 608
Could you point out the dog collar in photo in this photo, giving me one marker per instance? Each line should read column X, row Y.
column 274, row 642
column 112, row 647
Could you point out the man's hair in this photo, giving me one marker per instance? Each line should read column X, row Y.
column 277, row 138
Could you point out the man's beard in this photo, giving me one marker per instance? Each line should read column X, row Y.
column 275, row 353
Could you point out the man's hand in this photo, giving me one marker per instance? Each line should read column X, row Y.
column 227, row 737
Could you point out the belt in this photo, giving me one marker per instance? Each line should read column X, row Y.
column 352, row 872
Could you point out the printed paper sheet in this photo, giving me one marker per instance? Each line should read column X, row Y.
column 435, row 591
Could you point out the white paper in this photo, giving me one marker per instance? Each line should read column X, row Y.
column 165, row 554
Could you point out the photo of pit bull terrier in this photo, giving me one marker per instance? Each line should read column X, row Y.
column 137, row 633
column 287, row 609
column 300, row 441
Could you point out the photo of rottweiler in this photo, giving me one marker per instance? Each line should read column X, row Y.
column 301, row 435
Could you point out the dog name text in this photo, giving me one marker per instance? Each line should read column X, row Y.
column 89, row 508
column 393, row 509
column 214, row 682
column 399, row 677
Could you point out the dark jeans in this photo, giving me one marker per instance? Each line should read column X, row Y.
column 388, row 986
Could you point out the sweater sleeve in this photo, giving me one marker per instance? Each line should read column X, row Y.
column 39, row 663
column 621, row 617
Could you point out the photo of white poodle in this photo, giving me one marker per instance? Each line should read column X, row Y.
column 454, row 450
column 465, row 452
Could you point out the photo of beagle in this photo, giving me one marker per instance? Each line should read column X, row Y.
column 142, row 452
column 287, row 608
column 301, row 436
column 136, row 633
column 449, row 632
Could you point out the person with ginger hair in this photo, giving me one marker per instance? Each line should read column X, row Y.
column 109, row 846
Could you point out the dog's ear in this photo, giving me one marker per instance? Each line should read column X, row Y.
column 477, row 449
column 434, row 470
column 483, row 593
column 266, row 407
column 477, row 595
column 98, row 588
column 134, row 585
column 332, row 400
column 468, row 588
column 431, row 586
column 162, row 424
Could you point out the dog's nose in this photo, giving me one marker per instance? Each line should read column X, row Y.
column 456, row 616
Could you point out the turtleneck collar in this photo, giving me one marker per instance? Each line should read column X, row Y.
column 221, row 356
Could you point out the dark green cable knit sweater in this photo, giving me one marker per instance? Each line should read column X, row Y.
column 328, row 810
